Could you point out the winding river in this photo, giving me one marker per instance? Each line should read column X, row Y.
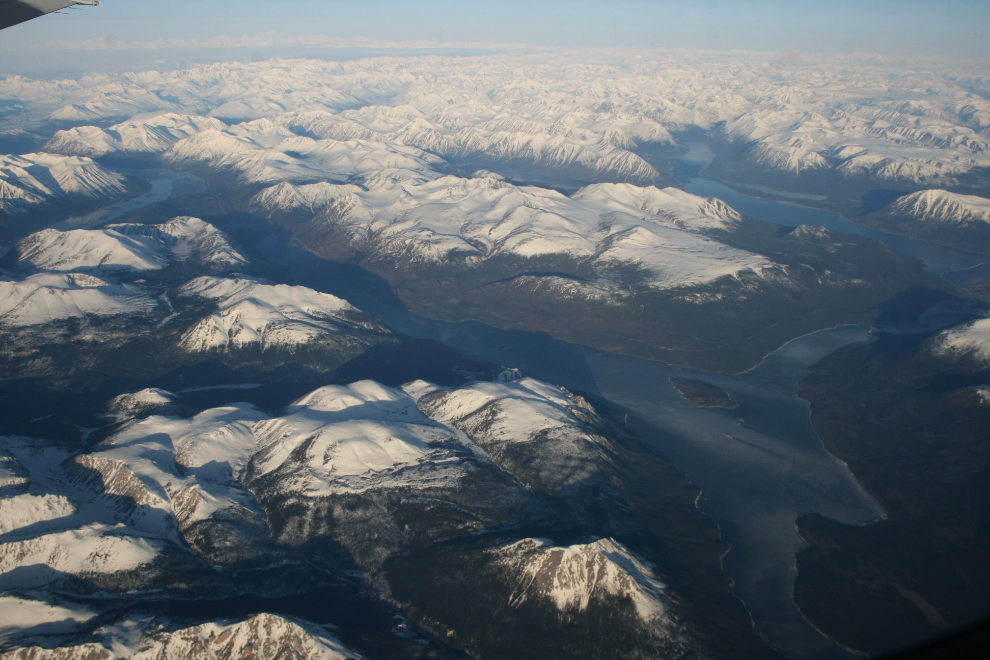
column 758, row 466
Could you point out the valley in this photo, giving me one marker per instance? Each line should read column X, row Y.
column 469, row 357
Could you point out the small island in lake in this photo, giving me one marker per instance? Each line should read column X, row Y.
column 701, row 394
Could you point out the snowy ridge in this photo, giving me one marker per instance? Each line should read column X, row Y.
column 52, row 526
column 431, row 126
column 838, row 114
column 389, row 472
column 894, row 142
column 89, row 250
column 189, row 237
column 527, row 407
column 571, row 577
column 43, row 298
column 260, row 152
column 179, row 471
column 260, row 636
column 661, row 232
column 352, row 438
column 34, row 179
column 252, row 312
column 126, row 274
column 156, row 479
column 130, row 501
column 14, row 199
column 372, row 468
column 31, row 617
column 128, row 248
column 72, row 274
column 27, row 509
column 941, row 207
column 286, row 197
column 672, row 205
column 528, row 428
column 94, row 548
column 148, row 136
column 555, row 143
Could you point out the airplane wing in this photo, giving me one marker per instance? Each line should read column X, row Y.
column 13, row 12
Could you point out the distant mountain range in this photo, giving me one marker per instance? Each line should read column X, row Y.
column 586, row 120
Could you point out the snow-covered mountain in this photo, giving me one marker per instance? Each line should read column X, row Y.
column 252, row 313
column 361, row 464
column 374, row 460
column 260, row 636
column 370, row 184
column 373, row 468
column 510, row 255
column 175, row 472
column 33, row 179
column 127, row 248
column 24, row 618
column 190, row 240
column 143, row 496
column 260, row 152
column 660, row 232
column 362, row 456
column 473, row 514
column 939, row 216
column 286, row 198
column 579, row 145
column 119, row 285
column 89, row 250
column 891, row 143
column 45, row 297
column 56, row 526
column 571, row 577
column 570, row 112
column 138, row 136
column 141, row 404
column 525, row 426
column 57, row 275
column 942, row 207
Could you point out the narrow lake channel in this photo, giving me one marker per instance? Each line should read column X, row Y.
column 759, row 466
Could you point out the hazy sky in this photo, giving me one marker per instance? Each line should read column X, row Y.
column 957, row 28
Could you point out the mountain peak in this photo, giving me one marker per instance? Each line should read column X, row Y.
column 942, row 206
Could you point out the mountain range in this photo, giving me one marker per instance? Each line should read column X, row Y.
column 587, row 120
column 388, row 475
column 226, row 438
column 132, row 282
